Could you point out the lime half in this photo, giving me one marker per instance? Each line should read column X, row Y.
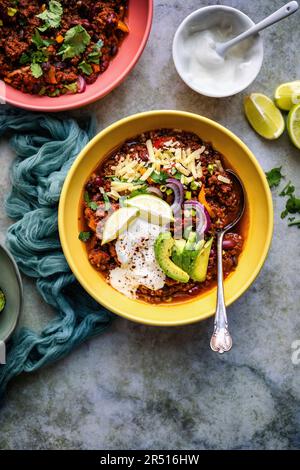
column 293, row 125
column 118, row 222
column 152, row 208
column 263, row 116
column 287, row 95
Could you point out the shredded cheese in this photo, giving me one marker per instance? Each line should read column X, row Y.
column 150, row 150
column 182, row 169
column 131, row 168
column 124, row 186
column 147, row 174
column 223, row 179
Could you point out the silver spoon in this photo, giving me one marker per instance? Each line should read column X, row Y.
column 287, row 10
column 221, row 340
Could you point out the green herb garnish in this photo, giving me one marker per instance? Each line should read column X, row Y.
column 85, row 68
column 76, row 41
column 106, row 200
column 211, row 168
column 292, row 204
column 51, row 16
column 287, row 190
column 36, row 70
column 91, row 204
column 84, row 236
column 73, row 87
column 38, row 41
column 295, row 223
column 159, row 178
column 96, row 53
column 137, row 192
column 274, row 177
column 34, row 57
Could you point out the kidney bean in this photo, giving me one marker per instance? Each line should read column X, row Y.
column 228, row 244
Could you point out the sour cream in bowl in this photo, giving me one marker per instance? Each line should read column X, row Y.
column 197, row 61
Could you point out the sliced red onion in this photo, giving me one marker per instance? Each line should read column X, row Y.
column 155, row 191
column 202, row 220
column 81, row 83
column 208, row 220
column 178, row 190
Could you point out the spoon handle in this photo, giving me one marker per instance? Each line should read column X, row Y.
column 221, row 340
column 278, row 15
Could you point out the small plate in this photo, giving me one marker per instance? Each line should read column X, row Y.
column 11, row 285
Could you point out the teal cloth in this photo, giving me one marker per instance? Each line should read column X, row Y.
column 46, row 146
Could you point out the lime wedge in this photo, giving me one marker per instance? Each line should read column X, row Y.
column 152, row 208
column 287, row 95
column 263, row 116
column 118, row 222
column 293, row 125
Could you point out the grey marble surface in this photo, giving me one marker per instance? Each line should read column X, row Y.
column 140, row 387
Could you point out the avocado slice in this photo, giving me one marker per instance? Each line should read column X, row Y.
column 2, row 301
column 200, row 264
column 191, row 251
column 177, row 252
column 163, row 248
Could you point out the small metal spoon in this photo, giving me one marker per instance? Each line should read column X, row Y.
column 221, row 340
column 283, row 12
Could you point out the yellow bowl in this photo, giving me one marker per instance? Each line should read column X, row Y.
column 259, row 214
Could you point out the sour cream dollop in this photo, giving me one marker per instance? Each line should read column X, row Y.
column 207, row 70
column 135, row 251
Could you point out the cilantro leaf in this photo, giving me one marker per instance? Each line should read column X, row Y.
column 288, row 190
column 85, row 68
column 86, row 198
column 51, row 16
column 274, row 177
column 137, row 192
column 25, row 58
column 38, row 41
column 84, row 236
column 75, row 42
column 159, row 178
column 91, row 204
column 72, row 87
column 293, row 205
column 107, row 201
column 96, row 53
column 36, row 70
column 295, row 223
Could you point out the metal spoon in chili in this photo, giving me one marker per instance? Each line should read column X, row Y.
column 221, row 340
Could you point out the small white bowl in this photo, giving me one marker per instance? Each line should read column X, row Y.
column 203, row 19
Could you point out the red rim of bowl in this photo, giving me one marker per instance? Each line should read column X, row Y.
column 37, row 102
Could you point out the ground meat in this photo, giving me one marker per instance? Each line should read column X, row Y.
column 99, row 259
